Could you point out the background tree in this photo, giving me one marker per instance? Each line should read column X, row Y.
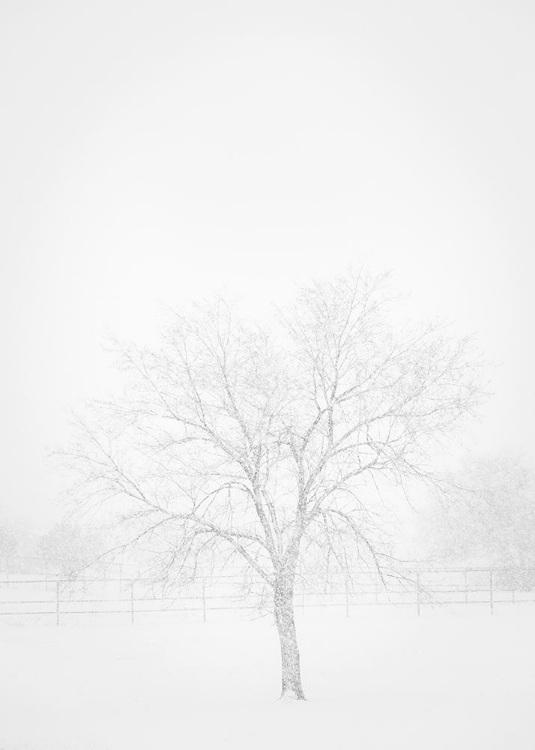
column 8, row 547
column 488, row 518
column 67, row 549
column 239, row 443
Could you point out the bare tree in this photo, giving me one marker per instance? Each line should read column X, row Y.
column 67, row 549
column 263, row 445
column 485, row 515
column 8, row 547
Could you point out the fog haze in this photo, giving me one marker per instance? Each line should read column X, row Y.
column 153, row 153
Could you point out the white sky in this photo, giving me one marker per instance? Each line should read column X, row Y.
column 152, row 151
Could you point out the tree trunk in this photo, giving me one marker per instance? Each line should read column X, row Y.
column 284, row 617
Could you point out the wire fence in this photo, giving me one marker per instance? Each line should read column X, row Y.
column 60, row 599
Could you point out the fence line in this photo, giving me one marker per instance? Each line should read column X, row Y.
column 427, row 587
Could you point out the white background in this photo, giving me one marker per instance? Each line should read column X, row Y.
column 151, row 152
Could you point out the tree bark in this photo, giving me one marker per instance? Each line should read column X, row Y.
column 284, row 617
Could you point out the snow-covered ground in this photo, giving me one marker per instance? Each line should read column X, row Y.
column 457, row 680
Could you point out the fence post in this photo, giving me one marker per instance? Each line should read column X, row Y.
column 347, row 598
column 491, row 593
column 57, row 602
column 203, row 600
column 418, row 593
column 466, row 587
column 132, row 601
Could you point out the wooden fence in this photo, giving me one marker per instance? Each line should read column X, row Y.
column 61, row 599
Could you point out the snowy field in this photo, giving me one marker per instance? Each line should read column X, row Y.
column 386, row 679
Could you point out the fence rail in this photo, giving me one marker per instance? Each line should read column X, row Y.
column 61, row 598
